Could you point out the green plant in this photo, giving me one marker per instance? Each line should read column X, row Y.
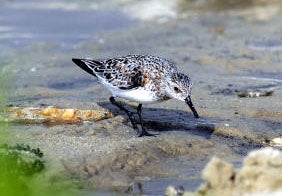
column 17, row 164
column 20, row 160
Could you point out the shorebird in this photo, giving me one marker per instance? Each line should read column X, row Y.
column 142, row 79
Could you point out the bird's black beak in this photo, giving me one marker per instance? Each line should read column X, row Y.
column 191, row 106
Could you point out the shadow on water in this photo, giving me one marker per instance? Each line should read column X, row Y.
column 166, row 120
column 159, row 119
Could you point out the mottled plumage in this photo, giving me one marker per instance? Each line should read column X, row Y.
column 140, row 78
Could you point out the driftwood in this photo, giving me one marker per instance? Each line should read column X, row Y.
column 52, row 115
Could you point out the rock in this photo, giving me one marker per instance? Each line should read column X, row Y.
column 219, row 173
column 53, row 115
column 219, row 177
column 257, row 92
column 276, row 142
column 261, row 173
column 174, row 191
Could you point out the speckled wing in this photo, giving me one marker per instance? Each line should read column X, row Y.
column 87, row 65
column 117, row 72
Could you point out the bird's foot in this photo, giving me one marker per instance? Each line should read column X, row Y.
column 145, row 133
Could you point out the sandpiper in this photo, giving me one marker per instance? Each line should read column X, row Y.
column 142, row 79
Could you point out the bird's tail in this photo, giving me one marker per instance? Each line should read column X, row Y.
column 87, row 65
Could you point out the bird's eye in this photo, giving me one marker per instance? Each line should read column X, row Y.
column 176, row 89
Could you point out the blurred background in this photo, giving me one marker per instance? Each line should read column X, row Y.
column 227, row 46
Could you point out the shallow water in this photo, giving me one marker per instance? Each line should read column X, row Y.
column 25, row 24
column 219, row 51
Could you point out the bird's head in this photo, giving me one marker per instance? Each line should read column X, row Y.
column 179, row 86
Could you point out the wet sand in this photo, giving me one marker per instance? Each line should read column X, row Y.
column 225, row 54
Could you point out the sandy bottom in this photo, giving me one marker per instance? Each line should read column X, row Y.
column 225, row 54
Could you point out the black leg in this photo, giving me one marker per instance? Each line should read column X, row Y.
column 143, row 132
column 129, row 114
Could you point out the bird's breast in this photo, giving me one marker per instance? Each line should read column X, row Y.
column 140, row 95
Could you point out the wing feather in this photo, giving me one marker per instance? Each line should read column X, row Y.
column 117, row 72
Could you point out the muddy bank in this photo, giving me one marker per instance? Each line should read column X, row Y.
column 224, row 55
